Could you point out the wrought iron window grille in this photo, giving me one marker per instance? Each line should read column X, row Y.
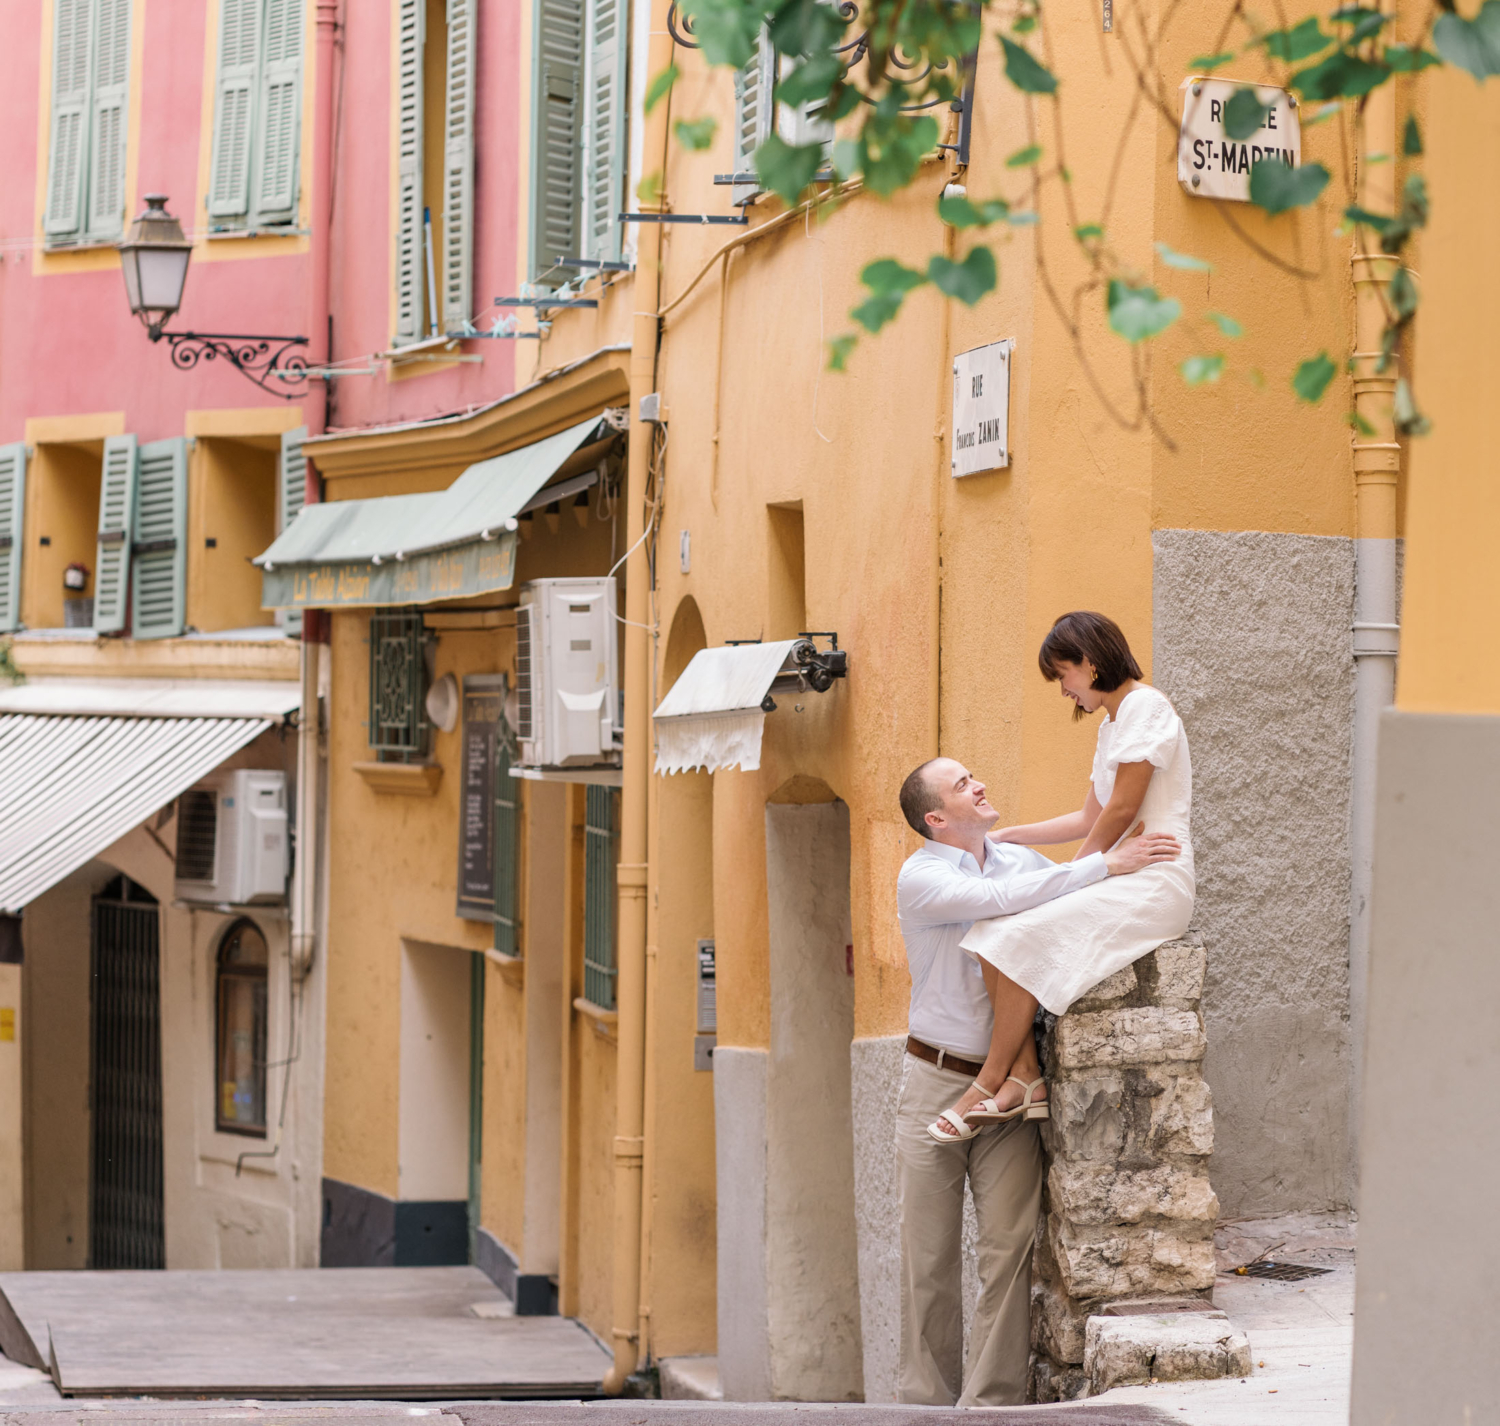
column 601, row 855
column 398, row 726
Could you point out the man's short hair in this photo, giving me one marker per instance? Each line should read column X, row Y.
column 919, row 797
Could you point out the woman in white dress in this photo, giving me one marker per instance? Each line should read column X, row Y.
column 1142, row 780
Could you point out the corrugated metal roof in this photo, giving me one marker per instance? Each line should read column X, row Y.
column 476, row 505
column 70, row 787
column 154, row 697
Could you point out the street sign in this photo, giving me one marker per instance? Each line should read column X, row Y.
column 981, row 409
column 1212, row 165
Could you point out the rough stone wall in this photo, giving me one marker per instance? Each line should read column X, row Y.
column 1251, row 643
column 1128, row 1213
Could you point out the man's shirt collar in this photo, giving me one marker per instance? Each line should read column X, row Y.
column 957, row 857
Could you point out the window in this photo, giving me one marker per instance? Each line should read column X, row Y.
column 601, row 854
column 398, row 686
column 253, row 179
column 434, row 167
column 755, row 111
column 578, row 146
column 12, row 532
column 86, row 135
column 240, row 1104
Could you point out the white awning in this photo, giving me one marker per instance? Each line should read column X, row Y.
column 71, row 786
column 712, row 716
column 154, row 697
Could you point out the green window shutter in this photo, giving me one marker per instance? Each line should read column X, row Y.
column 753, row 108
column 234, row 108
column 507, row 846
column 291, row 495
column 604, row 152
column 67, row 150
column 410, row 268
column 279, row 117
column 601, row 855
column 12, row 531
column 116, row 507
column 458, row 167
column 158, row 590
column 108, row 120
column 555, row 168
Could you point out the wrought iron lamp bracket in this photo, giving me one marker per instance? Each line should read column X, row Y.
column 277, row 365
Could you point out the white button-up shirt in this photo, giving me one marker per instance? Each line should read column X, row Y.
column 940, row 893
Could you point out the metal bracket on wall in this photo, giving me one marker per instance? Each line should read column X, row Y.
column 741, row 220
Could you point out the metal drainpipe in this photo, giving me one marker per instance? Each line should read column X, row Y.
column 322, row 215
column 1377, row 464
column 630, row 1060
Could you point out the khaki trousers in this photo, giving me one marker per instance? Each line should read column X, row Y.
column 1003, row 1164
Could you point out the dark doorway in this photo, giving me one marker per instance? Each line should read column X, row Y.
column 125, row 1190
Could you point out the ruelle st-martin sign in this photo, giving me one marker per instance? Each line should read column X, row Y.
column 1211, row 164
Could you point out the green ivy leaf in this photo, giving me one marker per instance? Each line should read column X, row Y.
column 1312, row 377
column 726, row 31
column 1137, row 313
column 960, row 212
column 1227, row 325
column 968, row 280
column 1402, row 292
column 1409, row 421
column 648, row 190
column 696, row 134
column 1370, row 22
column 1207, row 63
column 1472, row 45
column 1323, row 111
column 786, row 169
column 1411, row 138
column 661, row 86
column 810, row 81
column 1197, row 370
column 1024, row 25
column 1084, row 231
column 1181, row 260
column 1023, row 158
column 1342, row 76
column 1297, row 44
column 1029, row 76
column 1360, row 426
column 1024, row 219
column 892, row 147
column 1403, row 59
column 885, row 274
column 1276, row 188
column 1380, row 222
column 1244, row 113
column 839, row 349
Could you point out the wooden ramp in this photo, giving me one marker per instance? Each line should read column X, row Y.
column 407, row 1333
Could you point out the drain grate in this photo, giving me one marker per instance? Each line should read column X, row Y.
column 1281, row 1272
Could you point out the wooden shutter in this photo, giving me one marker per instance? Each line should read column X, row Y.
column 604, row 154
column 601, row 856
column 12, row 530
column 67, row 151
column 555, row 197
column 108, row 118
column 458, row 167
column 234, row 108
column 291, row 495
column 753, row 108
column 116, row 507
column 279, row 119
column 410, row 270
column 160, row 546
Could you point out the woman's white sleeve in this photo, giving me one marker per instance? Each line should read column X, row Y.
column 1147, row 731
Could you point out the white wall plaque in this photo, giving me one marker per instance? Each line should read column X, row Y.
column 1212, row 165
column 981, row 409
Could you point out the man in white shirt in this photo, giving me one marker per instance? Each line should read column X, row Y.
column 958, row 877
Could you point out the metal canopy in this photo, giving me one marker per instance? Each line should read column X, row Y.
column 712, row 717
column 414, row 549
column 72, row 786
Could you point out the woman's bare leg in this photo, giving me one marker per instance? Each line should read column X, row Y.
column 1011, row 1041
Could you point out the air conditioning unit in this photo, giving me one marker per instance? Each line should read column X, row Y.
column 568, row 708
column 232, row 838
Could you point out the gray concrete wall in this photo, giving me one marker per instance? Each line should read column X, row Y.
column 1251, row 642
column 1429, row 1240
column 740, row 1168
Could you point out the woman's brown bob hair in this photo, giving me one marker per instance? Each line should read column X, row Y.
column 1084, row 636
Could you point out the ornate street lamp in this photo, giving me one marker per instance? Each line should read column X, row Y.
column 154, row 258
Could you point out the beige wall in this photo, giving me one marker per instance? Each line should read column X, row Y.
column 231, row 501
column 434, row 1123
column 12, row 1154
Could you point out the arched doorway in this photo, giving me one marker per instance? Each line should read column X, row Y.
column 126, row 1225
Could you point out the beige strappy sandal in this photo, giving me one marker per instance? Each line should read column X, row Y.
column 964, row 1128
column 988, row 1111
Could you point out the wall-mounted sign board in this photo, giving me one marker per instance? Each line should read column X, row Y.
column 1210, row 164
column 980, row 438
column 483, row 705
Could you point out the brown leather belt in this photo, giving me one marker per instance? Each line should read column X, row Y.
column 941, row 1058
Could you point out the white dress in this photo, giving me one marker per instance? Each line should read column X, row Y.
column 1061, row 949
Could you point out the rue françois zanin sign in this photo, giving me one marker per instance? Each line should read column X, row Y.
column 1210, row 164
column 980, row 439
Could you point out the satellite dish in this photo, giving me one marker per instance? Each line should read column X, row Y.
column 442, row 703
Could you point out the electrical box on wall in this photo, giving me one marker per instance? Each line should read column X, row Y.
column 568, row 709
column 232, row 839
